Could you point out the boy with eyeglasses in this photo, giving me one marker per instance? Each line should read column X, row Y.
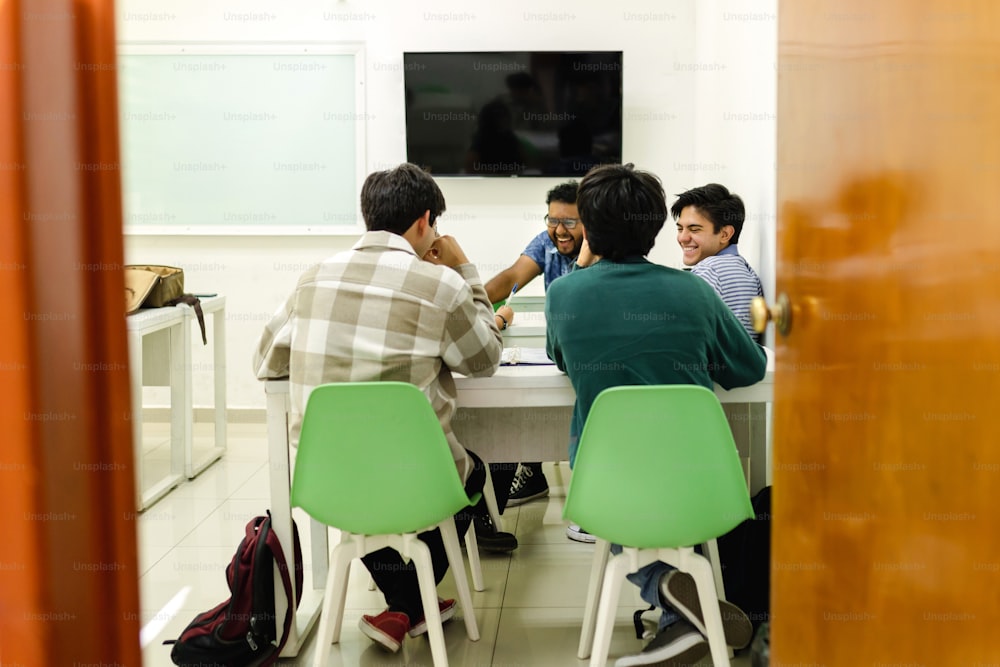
column 552, row 254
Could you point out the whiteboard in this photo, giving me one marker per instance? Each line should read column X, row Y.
column 241, row 139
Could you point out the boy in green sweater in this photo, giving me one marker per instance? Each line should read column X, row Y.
column 626, row 321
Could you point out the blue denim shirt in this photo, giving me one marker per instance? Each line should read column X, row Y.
column 546, row 255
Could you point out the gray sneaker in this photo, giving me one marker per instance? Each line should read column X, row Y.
column 679, row 644
column 680, row 592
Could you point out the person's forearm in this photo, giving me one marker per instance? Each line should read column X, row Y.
column 499, row 286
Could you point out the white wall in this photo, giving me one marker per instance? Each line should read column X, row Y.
column 699, row 104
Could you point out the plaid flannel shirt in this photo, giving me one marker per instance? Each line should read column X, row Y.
column 379, row 312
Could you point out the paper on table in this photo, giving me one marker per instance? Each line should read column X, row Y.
column 525, row 356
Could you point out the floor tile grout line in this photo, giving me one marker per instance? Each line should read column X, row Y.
column 219, row 502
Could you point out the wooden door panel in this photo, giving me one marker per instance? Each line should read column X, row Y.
column 887, row 528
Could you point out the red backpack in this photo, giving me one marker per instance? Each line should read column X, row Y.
column 242, row 630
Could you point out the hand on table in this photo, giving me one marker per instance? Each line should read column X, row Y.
column 506, row 313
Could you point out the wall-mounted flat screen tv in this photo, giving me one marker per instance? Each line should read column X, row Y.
column 513, row 113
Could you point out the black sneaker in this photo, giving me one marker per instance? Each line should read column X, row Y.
column 491, row 539
column 677, row 644
column 679, row 590
column 529, row 483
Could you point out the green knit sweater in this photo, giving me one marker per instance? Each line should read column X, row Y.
column 635, row 322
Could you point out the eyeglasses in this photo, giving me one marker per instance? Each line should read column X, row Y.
column 568, row 223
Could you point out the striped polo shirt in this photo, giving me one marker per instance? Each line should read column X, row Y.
column 734, row 281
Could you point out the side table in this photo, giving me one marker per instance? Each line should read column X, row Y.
column 150, row 331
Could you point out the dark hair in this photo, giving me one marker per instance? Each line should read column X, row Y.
column 622, row 209
column 391, row 200
column 564, row 192
column 716, row 203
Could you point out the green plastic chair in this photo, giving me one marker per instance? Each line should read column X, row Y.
column 657, row 472
column 373, row 462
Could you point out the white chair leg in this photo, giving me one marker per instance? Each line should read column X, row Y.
column 599, row 562
column 701, row 570
column 614, row 575
column 472, row 549
column 421, row 556
column 333, row 609
column 491, row 503
column 712, row 552
column 449, row 536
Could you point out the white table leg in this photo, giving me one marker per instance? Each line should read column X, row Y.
column 281, row 521
column 181, row 412
column 173, row 326
column 135, row 377
column 219, row 363
column 215, row 306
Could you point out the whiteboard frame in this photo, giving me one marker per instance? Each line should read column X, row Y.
column 355, row 49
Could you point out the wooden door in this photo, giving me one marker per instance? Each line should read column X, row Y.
column 886, row 545
column 69, row 591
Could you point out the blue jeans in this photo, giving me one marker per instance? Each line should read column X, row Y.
column 647, row 578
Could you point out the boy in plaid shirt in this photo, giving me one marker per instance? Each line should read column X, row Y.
column 403, row 304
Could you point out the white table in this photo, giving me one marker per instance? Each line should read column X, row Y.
column 160, row 354
column 528, row 328
column 512, row 387
column 533, row 386
column 161, row 362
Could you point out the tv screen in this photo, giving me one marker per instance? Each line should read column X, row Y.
column 516, row 113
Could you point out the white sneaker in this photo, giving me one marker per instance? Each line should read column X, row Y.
column 574, row 532
column 676, row 644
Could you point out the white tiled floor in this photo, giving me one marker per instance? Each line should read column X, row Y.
column 529, row 614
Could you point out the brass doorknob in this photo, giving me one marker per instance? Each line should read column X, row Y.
column 780, row 313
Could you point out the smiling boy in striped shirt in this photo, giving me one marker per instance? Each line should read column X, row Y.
column 709, row 222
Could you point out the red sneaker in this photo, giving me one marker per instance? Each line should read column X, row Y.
column 447, row 608
column 388, row 628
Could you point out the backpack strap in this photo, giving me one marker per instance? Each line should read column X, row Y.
column 640, row 629
column 271, row 539
column 194, row 302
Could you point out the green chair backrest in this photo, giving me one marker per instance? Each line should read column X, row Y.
column 657, row 467
column 373, row 460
